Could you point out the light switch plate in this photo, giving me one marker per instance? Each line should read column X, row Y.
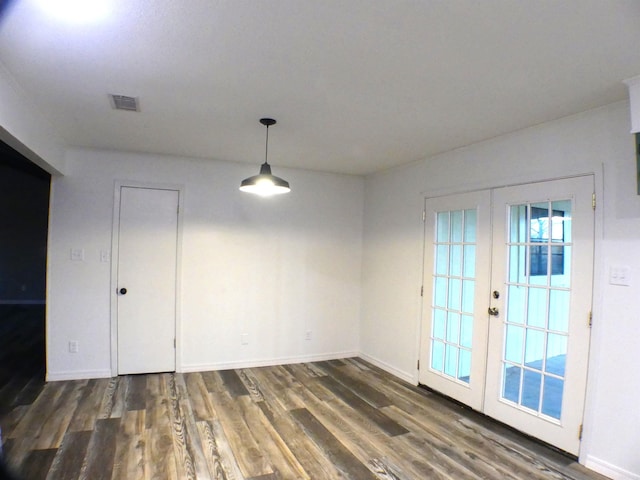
column 77, row 254
column 620, row 275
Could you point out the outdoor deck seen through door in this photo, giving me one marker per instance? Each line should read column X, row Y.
column 510, row 335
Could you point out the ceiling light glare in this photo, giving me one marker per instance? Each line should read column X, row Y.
column 77, row 11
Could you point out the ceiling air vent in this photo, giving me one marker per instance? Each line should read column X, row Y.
column 122, row 102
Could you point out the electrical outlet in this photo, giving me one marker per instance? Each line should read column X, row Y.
column 307, row 335
column 244, row 339
column 73, row 346
column 105, row 256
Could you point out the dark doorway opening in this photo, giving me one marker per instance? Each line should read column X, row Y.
column 24, row 217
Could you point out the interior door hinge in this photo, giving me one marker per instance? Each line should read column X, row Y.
column 418, row 366
column 593, row 200
column 590, row 319
column 422, row 291
column 424, row 215
column 580, row 432
column 174, row 343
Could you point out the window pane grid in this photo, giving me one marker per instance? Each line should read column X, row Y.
column 537, row 288
column 509, row 364
column 453, row 294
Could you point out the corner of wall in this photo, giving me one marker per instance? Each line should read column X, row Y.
column 26, row 130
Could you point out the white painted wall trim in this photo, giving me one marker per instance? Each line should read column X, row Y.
column 267, row 362
column 26, row 130
column 516, row 181
column 114, row 266
column 609, row 470
column 77, row 375
column 407, row 377
column 634, row 100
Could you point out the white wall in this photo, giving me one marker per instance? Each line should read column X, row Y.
column 272, row 268
column 23, row 128
column 593, row 142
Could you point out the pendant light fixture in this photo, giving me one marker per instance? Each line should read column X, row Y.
column 265, row 184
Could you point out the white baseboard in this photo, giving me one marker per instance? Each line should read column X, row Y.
column 77, row 375
column 407, row 377
column 608, row 470
column 204, row 367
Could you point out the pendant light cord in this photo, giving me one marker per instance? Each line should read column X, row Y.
column 266, row 147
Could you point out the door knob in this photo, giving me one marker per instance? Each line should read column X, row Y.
column 493, row 311
column 123, row 291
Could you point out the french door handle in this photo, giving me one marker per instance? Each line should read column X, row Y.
column 493, row 311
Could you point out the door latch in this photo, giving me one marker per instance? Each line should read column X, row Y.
column 493, row 311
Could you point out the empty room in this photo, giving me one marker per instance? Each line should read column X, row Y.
column 363, row 239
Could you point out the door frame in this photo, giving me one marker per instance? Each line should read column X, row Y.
column 597, row 286
column 115, row 238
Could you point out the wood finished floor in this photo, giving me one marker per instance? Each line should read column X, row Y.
column 323, row 420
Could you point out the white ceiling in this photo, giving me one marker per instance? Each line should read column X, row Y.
column 357, row 86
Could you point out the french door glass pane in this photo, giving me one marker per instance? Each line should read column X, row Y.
column 455, row 290
column 513, row 350
column 439, row 323
column 453, row 328
column 464, row 365
column 456, row 226
column 437, row 355
column 469, row 267
column 518, row 264
column 470, row 226
column 538, row 292
column 455, row 262
column 511, row 383
column 516, row 307
column 468, row 287
column 442, row 259
column 453, row 293
column 466, row 331
column 442, row 232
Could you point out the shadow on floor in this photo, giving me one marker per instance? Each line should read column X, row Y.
column 22, row 354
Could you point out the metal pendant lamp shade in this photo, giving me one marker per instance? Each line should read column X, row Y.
column 265, row 184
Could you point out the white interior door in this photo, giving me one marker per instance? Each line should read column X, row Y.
column 539, row 339
column 507, row 300
column 456, row 282
column 146, row 280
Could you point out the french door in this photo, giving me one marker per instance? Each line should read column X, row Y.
column 508, row 285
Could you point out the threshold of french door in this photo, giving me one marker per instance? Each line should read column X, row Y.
column 501, row 428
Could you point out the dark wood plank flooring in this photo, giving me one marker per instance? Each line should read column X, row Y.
column 324, row 420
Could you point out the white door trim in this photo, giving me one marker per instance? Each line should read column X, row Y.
column 515, row 182
column 114, row 266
